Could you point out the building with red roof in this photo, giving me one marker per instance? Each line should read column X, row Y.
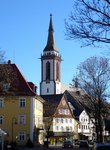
column 21, row 109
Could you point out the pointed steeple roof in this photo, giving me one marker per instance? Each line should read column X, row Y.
column 50, row 41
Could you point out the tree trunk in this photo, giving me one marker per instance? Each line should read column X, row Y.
column 97, row 133
column 101, row 129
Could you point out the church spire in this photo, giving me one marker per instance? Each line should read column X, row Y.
column 50, row 66
column 50, row 41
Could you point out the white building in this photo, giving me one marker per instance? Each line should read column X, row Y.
column 85, row 126
column 59, row 118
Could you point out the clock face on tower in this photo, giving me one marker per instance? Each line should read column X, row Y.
column 63, row 102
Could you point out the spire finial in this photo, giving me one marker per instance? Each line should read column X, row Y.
column 50, row 26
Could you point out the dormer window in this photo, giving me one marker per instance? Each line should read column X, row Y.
column 6, row 87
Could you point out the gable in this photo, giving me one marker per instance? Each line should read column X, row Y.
column 84, row 114
column 14, row 82
column 63, row 109
column 51, row 103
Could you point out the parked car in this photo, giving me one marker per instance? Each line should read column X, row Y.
column 67, row 144
column 101, row 146
column 83, row 143
column 76, row 142
column 91, row 142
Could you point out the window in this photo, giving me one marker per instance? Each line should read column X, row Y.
column 57, row 71
column 48, row 70
column 57, row 128
column 68, row 112
column 6, row 87
column 70, row 128
column 66, row 120
column 70, row 120
column 47, row 90
column 64, row 111
column 62, row 128
column 22, row 119
column 67, row 128
column 61, row 120
column 1, row 119
column 21, row 136
column 22, row 102
column 57, row 120
column 1, row 103
column 59, row 111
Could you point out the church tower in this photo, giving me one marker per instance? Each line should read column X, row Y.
column 50, row 66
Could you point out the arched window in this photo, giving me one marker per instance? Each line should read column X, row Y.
column 47, row 90
column 57, row 71
column 48, row 70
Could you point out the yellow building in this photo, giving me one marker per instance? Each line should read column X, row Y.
column 21, row 109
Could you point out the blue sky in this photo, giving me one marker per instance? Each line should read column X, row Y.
column 23, row 36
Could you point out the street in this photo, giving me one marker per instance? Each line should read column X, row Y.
column 54, row 148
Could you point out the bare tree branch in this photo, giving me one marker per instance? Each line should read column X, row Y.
column 89, row 22
column 94, row 77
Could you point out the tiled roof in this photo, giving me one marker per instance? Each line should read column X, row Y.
column 17, row 83
column 51, row 103
column 78, row 108
column 50, row 42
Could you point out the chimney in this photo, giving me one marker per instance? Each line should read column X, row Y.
column 9, row 61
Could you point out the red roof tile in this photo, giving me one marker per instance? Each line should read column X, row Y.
column 17, row 83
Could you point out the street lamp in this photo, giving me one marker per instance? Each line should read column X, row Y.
column 14, row 121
